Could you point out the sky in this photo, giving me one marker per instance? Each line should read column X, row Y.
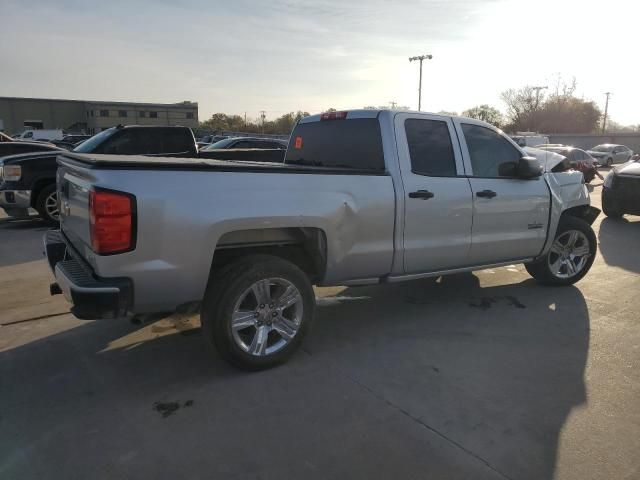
column 287, row 55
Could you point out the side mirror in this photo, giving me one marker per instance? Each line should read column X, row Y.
column 525, row 167
column 528, row 167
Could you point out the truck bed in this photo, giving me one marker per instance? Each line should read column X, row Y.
column 142, row 162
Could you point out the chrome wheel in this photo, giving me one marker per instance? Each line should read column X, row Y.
column 51, row 206
column 267, row 316
column 569, row 254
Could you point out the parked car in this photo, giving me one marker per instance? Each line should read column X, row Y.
column 27, row 180
column 621, row 190
column 37, row 172
column 32, row 184
column 247, row 142
column 577, row 158
column 47, row 135
column 209, row 139
column 364, row 197
column 608, row 154
column 524, row 139
column 13, row 148
column 70, row 141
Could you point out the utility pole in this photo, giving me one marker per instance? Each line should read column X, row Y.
column 420, row 58
column 537, row 89
column 606, row 111
column 245, row 120
column 393, row 104
column 263, row 115
column 537, row 105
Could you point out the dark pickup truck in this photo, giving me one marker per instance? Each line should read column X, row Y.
column 29, row 180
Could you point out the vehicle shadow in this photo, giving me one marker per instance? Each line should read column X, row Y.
column 495, row 370
column 21, row 240
column 491, row 372
column 618, row 241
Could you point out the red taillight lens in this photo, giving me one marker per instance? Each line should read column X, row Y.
column 111, row 221
column 334, row 116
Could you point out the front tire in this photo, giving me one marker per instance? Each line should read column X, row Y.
column 257, row 310
column 609, row 206
column 571, row 254
column 47, row 204
column 609, row 162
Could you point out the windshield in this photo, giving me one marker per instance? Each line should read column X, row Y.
column 221, row 144
column 602, row 148
column 91, row 144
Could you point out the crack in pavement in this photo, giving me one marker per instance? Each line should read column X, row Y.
column 32, row 319
column 427, row 426
column 418, row 421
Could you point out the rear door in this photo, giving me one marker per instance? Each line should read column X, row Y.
column 437, row 195
column 510, row 215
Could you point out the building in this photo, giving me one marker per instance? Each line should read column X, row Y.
column 84, row 116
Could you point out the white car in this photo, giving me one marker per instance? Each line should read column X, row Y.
column 46, row 135
column 608, row 154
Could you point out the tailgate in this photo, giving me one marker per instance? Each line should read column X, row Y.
column 74, row 184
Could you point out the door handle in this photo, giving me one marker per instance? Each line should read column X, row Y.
column 423, row 194
column 486, row 194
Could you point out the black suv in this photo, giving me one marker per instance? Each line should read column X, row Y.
column 621, row 190
column 29, row 180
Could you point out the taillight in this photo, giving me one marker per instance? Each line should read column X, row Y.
column 334, row 116
column 111, row 219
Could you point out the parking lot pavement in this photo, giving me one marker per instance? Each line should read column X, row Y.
column 470, row 376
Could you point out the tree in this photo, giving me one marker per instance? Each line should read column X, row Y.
column 522, row 105
column 486, row 114
column 561, row 112
column 568, row 115
column 223, row 122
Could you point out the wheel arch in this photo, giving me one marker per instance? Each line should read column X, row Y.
column 584, row 212
column 305, row 247
column 38, row 186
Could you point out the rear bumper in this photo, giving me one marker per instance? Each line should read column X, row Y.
column 92, row 297
column 16, row 202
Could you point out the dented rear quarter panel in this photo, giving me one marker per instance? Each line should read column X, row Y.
column 183, row 214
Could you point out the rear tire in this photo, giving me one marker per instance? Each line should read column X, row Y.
column 609, row 206
column 257, row 310
column 571, row 254
column 47, row 204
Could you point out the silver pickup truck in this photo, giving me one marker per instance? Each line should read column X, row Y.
column 363, row 197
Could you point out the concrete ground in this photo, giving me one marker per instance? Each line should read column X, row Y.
column 483, row 376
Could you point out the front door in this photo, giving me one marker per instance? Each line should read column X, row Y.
column 437, row 195
column 510, row 215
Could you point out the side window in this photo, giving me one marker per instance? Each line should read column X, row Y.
column 580, row 155
column 488, row 150
column 123, row 144
column 28, row 135
column 177, row 140
column 243, row 144
column 430, row 148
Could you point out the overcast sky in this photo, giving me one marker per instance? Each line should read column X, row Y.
column 282, row 55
